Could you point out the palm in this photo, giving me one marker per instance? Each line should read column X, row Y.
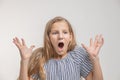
column 95, row 46
column 25, row 52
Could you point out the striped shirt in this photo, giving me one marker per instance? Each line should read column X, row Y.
column 72, row 67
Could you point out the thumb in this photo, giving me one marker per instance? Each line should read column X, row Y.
column 31, row 47
column 84, row 46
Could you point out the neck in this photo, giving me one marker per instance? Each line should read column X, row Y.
column 57, row 56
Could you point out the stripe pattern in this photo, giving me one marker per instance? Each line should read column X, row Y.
column 72, row 67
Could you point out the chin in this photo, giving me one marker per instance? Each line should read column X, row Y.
column 61, row 53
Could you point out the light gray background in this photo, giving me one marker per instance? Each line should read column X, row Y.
column 27, row 18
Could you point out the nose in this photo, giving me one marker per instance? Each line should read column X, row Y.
column 61, row 36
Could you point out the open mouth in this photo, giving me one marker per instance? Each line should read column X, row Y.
column 61, row 45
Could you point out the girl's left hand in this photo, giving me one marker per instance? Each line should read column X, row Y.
column 95, row 46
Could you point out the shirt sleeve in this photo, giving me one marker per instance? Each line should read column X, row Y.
column 86, row 66
column 82, row 59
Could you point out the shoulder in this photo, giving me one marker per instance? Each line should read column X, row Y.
column 78, row 53
column 78, row 50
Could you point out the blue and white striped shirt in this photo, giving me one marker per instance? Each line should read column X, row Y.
column 72, row 67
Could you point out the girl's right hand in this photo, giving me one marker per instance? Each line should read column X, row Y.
column 25, row 52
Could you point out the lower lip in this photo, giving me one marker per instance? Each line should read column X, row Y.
column 60, row 49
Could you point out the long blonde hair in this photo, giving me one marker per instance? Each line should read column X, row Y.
column 41, row 55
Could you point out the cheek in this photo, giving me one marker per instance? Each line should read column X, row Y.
column 68, row 39
column 53, row 40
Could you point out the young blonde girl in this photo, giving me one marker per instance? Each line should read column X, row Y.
column 60, row 58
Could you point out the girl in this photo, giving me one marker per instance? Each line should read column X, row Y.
column 60, row 58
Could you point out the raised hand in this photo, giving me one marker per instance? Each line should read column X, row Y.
column 25, row 52
column 95, row 46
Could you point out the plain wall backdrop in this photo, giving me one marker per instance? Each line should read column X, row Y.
column 27, row 19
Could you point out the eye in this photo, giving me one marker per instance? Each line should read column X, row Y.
column 65, row 32
column 54, row 33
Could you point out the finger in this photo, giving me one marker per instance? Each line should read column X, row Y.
column 15, row 41
column 16, row 44
column 98, row 49
column 23, row 42
column 31, row 47
column 101, row 40
column 84, row 46
column 96, row 40
column 91, row 42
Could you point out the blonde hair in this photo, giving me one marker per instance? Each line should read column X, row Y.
column 41, row 55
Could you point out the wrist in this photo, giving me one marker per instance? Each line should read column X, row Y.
column 94, row 59
column 24, row 61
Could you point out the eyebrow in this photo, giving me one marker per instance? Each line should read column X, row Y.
column 58, row 30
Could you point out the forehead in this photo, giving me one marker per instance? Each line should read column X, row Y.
column 60, row 25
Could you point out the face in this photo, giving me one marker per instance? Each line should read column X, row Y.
column 60, row 37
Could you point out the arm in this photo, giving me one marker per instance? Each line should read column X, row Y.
column 96, row 74
column 23, row 75
column 25, row 54
column 93, row 51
